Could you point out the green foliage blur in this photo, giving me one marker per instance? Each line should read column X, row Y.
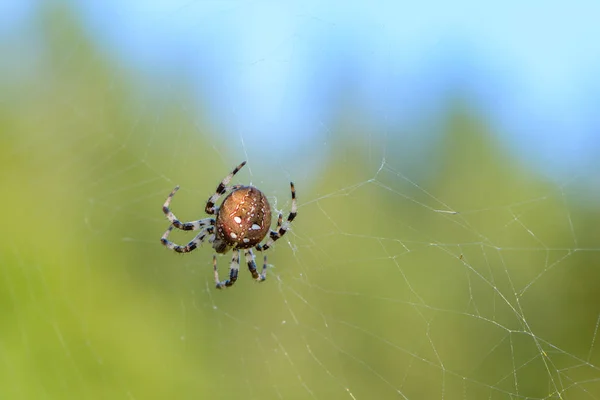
column 374, row 294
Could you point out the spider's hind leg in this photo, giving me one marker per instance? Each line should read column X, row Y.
column 221, row 189
column 281, row 229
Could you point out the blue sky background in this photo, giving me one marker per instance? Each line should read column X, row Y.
column 276, row 71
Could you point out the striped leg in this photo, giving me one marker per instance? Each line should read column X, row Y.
column 252, row 266
column 184, row 226
column 281, row 229
column 221, row 189
column 233, row 270
column 193, row 244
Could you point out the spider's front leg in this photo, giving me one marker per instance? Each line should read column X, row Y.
column 233, row 270
column 252, row 266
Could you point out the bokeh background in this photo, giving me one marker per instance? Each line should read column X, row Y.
column 445, row 157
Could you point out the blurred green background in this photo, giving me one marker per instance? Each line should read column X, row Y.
column 377, row 292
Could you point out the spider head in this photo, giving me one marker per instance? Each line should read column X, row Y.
column 221, row 246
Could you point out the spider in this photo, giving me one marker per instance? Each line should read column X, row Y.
column 240, row 223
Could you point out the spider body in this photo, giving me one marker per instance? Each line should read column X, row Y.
column 243, row 220
column 241, row 223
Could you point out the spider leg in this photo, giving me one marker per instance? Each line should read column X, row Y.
column 252, row 266
column 281, row 229
column 221, row 189
column 184, row 226
column 233, row 270
column 272, row 233
column 279, row 223
column 195, row 242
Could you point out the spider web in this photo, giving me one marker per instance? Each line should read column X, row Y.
column 420, row 266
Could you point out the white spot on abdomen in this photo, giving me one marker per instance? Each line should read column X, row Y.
column 255, row 227
column 237, row 220
column 233, row 235
column 245, row 240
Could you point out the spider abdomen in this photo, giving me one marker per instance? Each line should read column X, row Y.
column 244, row 218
